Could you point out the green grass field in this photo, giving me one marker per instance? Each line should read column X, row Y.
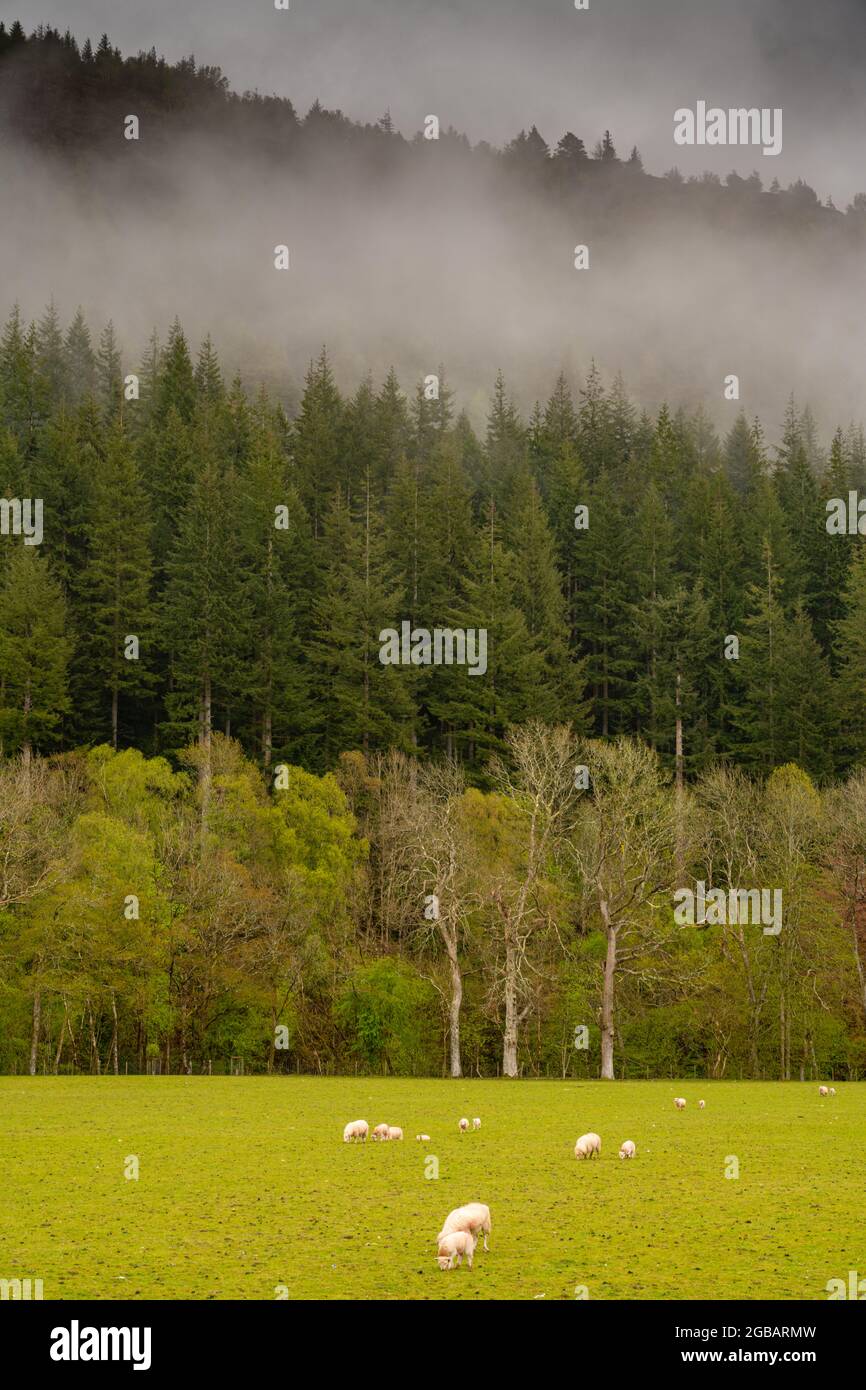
column 245, row 1185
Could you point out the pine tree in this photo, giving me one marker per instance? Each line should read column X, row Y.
column 204, row 619
column 115, row 600
column 361, row 703
column 317, row 440
column 109, row 373
column 79, row 360
column 537, row 592
column 50, row 359
column 475, row 710
column 850, row 650
column 35, row 648
column 604, row 613
column 278, row 562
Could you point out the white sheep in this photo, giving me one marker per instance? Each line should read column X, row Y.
column 423, row 1138
column 464, row 1125
column 395, row 1132
column 587, row 1145
column 680, row 1103
column 822, row 1091
column 832, row 1090
column 381, row 1133
column 476, row 1123
column 701, row 1104
column 474, row 1217
column 628, row 1149
column 453, row 1245
column 356, row 1129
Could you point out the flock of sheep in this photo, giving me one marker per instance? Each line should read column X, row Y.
column 462, row 1227
column 359, row 1131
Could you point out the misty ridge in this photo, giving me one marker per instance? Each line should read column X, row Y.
column 413, row 252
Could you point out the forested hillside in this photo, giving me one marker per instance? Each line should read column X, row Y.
column 267, row 812
column 230, row 828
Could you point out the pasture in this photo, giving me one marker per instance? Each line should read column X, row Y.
column 245, row 1187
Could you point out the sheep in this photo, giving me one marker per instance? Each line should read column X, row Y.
column 832, row 1090
column 701, row 1104
column 464, row 1125
column 423, row 1138
column 628, row 1149
column 680, row 1103
column 453, row 1245
column 381, row 1133
column 587, row 1145
column 476, row 1123
column 395, row 1132
column 822, row 1091
column 356, row 1129
column 474, row 1217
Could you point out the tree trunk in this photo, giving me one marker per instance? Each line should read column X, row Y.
column 115, row 1066
column 861, row 975
column 509, row 1038
column 454, row 1012
column 34, row 1035
column 607, row 1003
column 114, row 720
column 267, row 736
column 206, row 770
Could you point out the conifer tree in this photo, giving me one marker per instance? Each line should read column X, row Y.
column 35, row 648
column 114, row 600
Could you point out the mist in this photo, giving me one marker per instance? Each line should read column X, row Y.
column 442, row 264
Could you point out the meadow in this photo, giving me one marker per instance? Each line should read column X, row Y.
column 246, row 1190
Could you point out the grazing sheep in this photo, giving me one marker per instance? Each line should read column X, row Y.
column 832, row 1090
column 680, row 1103
column 474, row 1217
column 587, row 1145
column 464, row 1125
column 822, row 1091
column 356, row 1129
column 701, row 1104
column 453, row 1245
column 381, row 1133
column 476, row 1123
column 395, row 1132
column 628, row 1149
column 423, row 1138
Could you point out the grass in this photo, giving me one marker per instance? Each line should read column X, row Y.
column 245, row 1185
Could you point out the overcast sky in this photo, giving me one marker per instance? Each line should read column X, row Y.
column 490, row 67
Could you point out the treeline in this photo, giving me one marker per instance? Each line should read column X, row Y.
column 388, row 918
column 278, row 848
column 206, row 563
column 73, row 99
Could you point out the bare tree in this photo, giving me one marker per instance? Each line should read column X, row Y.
column 538, row 781
column 624, row 850
column 846, row 856
column 425, row 871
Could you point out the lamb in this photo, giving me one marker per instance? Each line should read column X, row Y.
column 680, row 1103
column 822, row 1091
column 453, row 1245
column 464, row 1125
column 476, row 1123
column 381, row 1133
column 474, row 1217
column 423, row 1138
column 587, row 1145
column 628, row 1149
column 395, row 1132
column 701, row 1104
column 356, row 1129
column 832, row 1090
